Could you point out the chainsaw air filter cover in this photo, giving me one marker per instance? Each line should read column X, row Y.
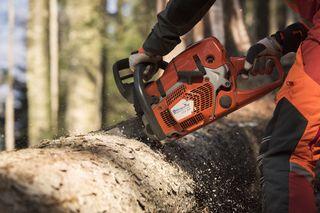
column 188, row 88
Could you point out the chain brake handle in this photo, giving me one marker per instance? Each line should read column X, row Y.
column 244, row 97
column 125, row 88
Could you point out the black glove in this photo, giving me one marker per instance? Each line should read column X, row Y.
column 277, row 45
column 257, row 61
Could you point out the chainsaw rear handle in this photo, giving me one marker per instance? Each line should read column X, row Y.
column 125, row 89
column 139, row 87
column 247, row 96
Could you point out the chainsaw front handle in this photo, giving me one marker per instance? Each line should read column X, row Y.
column 244, row 97
column 139, row 89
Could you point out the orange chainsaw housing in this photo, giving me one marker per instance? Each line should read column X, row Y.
column 200, row 103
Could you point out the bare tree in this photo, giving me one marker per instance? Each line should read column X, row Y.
column 198, row 31
column 238, row 28
column 216, row 21
column 262, row 17
column 38, row 73
column 54, row 65
column 237, row 37
column 278, row 15
column 9, row 114
column 212, row 24
column 104, row 73
column 83, row 52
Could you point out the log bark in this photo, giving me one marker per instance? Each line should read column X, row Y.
column 212, row 170
column 92, row 173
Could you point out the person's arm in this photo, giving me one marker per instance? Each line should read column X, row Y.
column 177, row 19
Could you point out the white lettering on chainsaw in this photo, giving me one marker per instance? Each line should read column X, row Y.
column 182, row 109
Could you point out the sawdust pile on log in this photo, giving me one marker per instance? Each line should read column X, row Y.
column 212, row 170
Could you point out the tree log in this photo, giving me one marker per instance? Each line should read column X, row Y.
column 212, row 170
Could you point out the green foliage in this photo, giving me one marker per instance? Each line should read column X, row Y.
column 124, row 35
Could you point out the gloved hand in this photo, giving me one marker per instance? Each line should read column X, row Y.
column 257, row 61
column 142, row 56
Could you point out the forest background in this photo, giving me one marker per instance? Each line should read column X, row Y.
column 56, row 57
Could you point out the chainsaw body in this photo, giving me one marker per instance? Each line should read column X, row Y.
column 198, row 87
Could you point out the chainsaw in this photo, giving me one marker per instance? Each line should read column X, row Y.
column 197, row 87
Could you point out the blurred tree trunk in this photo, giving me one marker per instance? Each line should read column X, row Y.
column 282, row 15
column 38, row 73
column 104, row 71
column 249, row 17
column 119, row 17
column 262, row 19
column 199, row 31
column 54, row 65
column 63, row 30
column 273, row 16
column 9, row 114
column 292, row 17
column 161, row 4
column 238, row 28
column 278, row 15
column 144, row 12
column 207, row 29
column 83, row 62
column 216, row 21
column 237, row 39
column 210, row 25
column 105, row 89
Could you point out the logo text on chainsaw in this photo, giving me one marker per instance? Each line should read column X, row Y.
column 182, row 109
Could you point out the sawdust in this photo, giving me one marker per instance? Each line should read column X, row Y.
column 221, row 158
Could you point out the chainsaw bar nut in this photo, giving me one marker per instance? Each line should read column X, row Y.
column 227, row 84
column 225, row 102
